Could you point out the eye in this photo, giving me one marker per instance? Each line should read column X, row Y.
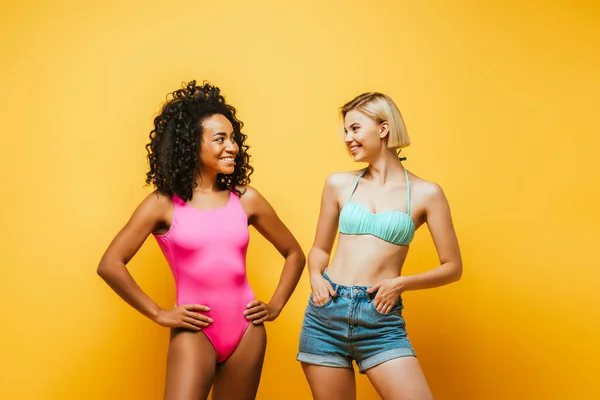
column 220, row 140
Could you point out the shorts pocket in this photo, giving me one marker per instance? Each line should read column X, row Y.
column 396, row 309
column 310, row 301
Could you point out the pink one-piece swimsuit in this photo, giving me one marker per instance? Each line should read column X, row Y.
column 206, row 250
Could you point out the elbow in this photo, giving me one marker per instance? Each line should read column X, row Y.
column 457, row 273
column 296, row 255
column 300, row 257
column 102, row 270
column 319, row 252
column 106, row 268
column 452, row 271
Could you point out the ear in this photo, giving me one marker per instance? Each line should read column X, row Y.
column 384, row 129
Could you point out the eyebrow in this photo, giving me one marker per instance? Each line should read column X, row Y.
column 220, row 134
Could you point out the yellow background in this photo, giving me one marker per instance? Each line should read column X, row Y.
column 501, row 102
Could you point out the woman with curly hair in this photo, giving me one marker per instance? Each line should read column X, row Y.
column 199, row 215
column 355, row 309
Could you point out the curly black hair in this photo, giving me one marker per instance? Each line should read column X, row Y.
column 174, row 148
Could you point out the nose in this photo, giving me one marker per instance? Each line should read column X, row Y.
column 232, row 147
column 348, row 137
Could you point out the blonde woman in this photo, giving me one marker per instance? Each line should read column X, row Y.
column 355, row 309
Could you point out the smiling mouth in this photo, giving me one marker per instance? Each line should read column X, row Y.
column 354, row 148
column 228, row 160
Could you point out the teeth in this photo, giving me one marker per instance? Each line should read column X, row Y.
column 227, row 159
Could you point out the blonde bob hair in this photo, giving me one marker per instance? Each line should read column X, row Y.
column 381, row 108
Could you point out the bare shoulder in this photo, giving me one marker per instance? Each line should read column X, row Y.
column 252, row 201
column 425, row 190
column 249, row 193
column 341, row 180
column 156, row 203
column 155, row 211
column 254, row 204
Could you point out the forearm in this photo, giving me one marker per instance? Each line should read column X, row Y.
column 292, row 271
column 444, row 274
column 318, row 259
column 120, row 280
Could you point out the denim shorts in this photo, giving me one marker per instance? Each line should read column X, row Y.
column 349, row 327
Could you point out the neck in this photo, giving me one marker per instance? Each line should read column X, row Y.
column 206, row 182
column 386, row 166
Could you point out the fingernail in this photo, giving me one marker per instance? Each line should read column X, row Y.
column 210, row 320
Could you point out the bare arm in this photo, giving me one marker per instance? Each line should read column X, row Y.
column 439, row 222
column 440, row 225
column 147, row 218
column 264, row 218
column 327, row 226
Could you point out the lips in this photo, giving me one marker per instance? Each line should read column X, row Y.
column 228, row 160
column 354, row 148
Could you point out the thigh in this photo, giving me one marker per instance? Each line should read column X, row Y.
column 400, row 379
column 238, row 377
column 328, row 383
column 191, row 363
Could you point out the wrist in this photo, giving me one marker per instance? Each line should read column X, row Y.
column 315, row 274
column 154, row 313
column 400, row 284
column 276, row 307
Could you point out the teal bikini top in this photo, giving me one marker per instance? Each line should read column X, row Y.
column 395, row 227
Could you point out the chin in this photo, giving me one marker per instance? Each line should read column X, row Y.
column 359, row 158
column 227, row 171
